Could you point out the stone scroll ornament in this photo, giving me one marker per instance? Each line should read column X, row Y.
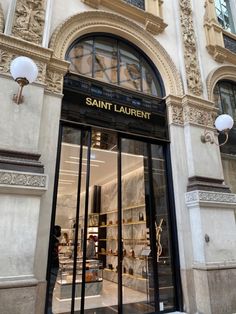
column 29, row 20
column 194, row 82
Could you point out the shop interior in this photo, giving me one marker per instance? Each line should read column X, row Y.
column 101, row 277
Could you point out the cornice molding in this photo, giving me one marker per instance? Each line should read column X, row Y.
column 101, row 21
column 152, row 23
column 23, row 182
column 191, row 110
column 210, row 198
column 227, row 72
column 221, row 54
column 1, row 19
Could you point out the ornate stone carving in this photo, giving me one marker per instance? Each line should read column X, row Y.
column 87, row 22
column 192, row 110
column 54, row 81
column 42, row 72
column 5, row 60
column 1, row 19
column 20, row 179
column 150, row 17
column 194, row 82
column 207, row 196
column 29, row 20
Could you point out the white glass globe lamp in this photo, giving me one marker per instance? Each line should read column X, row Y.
column 24, row 71
column 224, row 123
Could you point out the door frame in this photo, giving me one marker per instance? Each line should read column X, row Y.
column 171, row 214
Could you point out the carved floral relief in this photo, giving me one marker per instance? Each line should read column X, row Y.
column 190, row 51
column 5, row 60
column 29, row 20
column 54, row 81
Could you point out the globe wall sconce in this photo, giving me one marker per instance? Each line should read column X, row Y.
column 223, row 124
column 24, row 71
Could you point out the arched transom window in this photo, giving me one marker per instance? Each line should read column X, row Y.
column 114, row 61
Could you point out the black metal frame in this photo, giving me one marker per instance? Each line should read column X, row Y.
column 142, row 56
column 171, row 214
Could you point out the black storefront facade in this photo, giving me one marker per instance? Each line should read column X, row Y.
column 113, row 187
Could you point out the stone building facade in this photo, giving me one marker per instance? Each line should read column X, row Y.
column 193, row 53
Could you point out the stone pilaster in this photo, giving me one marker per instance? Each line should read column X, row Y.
column 212, row 220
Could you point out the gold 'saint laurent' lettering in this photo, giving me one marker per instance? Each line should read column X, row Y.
column 132, row 112
column 98, row 103
column 120, row 109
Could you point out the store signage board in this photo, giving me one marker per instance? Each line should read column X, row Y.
column 113, row 108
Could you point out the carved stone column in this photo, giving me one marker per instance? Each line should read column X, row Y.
column 192, row 69
column 207, row 210
column 1, row 19
column 212, row 220
column 29, row 20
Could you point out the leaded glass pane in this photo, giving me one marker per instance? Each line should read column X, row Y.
column 150, row 83
column 115, row 62
column 137, row 3
column 130, row 73
column 225, row 97
column 224, row 15
column 80, row 57
column 105, row 63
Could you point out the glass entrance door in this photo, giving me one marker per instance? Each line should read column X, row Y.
column 113, row 251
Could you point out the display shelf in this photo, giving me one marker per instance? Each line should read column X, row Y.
column 126, row 208
column 124, row 224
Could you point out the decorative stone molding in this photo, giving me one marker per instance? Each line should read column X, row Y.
column 153, row 23
column 5, row 60
column 199, row 111
column 100, row 21
column 29, row 20
column 20, row 182
column 192, row 68
column 210, row 197
column 191, row 109
column 175, row 110
column 55, row 75
column 11, row 47
column 215, row 36
column 215, row 266
column 226, row 72
column 1, row 19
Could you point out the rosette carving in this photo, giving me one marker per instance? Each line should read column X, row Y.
column 29, row 20
column 22, row 179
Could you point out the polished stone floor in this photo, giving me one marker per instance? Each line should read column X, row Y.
column 134, row 302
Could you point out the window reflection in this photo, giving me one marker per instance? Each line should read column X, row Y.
column 225, row 97
column 113, row 61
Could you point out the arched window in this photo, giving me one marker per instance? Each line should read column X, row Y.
column 225, row 100
column 225, row 97
column 224, row 12
column 114, row 61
